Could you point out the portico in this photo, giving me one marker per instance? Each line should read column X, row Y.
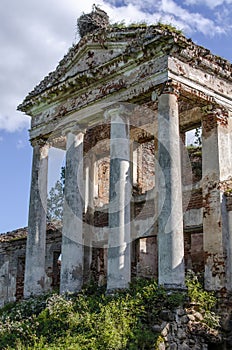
column 122, row 116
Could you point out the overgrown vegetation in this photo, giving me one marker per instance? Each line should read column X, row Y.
column 203, row 301
column 92, row 320
column 142, row 24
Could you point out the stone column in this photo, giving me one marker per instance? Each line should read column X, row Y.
column 169, row 191
column 36, row 240
column 72, row 237
column 119, row 256
column 89, row 213
column 216, row 168
column 135, row 165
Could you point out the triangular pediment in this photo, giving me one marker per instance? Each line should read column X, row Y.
column 101, row 55
column 93, row 53
column 82, row 59
column 90, row 57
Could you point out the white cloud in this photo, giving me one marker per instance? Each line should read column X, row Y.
column 191, row 21
column 13, row 122
column 33, row 38
column 210, row 3
column 21, row 144
column 168, row 11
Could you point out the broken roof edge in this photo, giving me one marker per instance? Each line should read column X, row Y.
column 21, row 233
column 130, row 34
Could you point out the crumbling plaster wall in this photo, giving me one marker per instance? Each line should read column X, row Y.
column 12, row 262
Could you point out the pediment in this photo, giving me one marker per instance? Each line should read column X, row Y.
column 100, row 56
column 90, row 57
column 81, row 60
column 91, row 54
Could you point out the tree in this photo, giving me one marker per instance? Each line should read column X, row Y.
column 198, row 141
column 56, row 199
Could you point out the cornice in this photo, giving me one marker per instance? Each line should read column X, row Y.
column 138, row 44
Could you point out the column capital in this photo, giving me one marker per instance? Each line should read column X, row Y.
column 213, row 115
column 40, row 143
column 214, row 109
column 122, row 110
column 74, row 128
column 168, row 87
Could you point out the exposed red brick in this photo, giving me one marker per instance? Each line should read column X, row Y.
column 96, row 134
column 144, row 210
column 193, row 200
column 229, row 203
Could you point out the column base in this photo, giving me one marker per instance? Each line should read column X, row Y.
column 174, row 287
column 112, row 292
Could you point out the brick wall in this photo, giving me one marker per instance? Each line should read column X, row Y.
column 103, row 166
column 146, row 257
column 193, row 251
column 193, row 199
column 95, row 135
column 229, row 203
column 146, row 166
column 145, row 173
column 144, row 209
column 12, row 262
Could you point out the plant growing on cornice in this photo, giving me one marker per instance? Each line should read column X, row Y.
column 119, row 25
column 138, row 25
column 169, row 27
column 163, row 26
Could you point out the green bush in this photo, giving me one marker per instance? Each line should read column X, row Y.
column 92, row 320
column 197, row 294
column 204, row 301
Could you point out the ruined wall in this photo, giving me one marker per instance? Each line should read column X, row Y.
column 144, row 172
column 103, row 166
column 12, row 262
column 145, row 166
column 183, row 329
column 194, row 252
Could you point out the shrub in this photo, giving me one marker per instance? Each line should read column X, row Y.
column 93, row 320
column 204, row 301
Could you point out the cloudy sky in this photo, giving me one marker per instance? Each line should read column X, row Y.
column 35, row 35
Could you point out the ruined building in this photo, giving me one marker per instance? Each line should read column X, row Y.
column 137, row 201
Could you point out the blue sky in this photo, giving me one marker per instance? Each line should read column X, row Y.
column 34, row 37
